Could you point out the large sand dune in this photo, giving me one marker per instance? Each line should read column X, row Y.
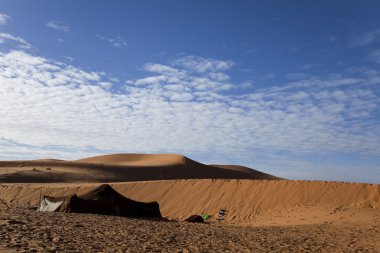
column 248, row 201
column 184, row 187
column 120, row 168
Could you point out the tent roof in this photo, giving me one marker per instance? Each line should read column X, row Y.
column 103, row 190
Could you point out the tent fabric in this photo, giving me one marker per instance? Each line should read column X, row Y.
column 195, row 218
column 102, row 200
column 49, row 206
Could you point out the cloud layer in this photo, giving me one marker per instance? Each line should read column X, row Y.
column 183, row 107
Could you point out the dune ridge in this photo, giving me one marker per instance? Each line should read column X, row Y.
column 120, row 168
column 138, row 159
column 259, row 174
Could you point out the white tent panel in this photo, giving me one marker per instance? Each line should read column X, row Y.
column 49, row 206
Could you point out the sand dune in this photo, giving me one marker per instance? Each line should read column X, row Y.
column 139, row 159
column 248, row 201
column 282, row 215
column 258, row 174
column 120, row 168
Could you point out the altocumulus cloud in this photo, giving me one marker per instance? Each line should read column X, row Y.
column 180, row 107
column 59, row 26
column 3, row 18
column 20, row 42
column 118, row 41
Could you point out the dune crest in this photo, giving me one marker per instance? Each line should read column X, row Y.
column 137, row 159
column 121, row 168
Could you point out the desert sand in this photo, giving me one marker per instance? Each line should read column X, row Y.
column 264, row 213
column 120, row 168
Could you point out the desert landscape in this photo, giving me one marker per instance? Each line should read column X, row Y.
column 264, row 213
column 189, row 126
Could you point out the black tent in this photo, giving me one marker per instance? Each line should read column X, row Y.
column 102, row 200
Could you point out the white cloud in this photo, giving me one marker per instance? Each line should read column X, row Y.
column 163, row 69
column 180, row 97
column 46, row 103
column 3, row 18
column 152, row 80
column 365, row 39
column 177, row 75
column 202, row 65
column 218, row 76
column 69, row 58
column 118, row 41
column 11, row 150
column 20, row 41
column 59, row 26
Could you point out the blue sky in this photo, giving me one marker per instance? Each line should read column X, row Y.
column 287, row 87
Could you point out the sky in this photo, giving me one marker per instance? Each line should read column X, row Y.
column 291, row 88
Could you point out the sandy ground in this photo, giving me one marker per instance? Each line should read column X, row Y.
column 30, row 231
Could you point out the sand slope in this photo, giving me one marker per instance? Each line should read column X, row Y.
column 120, row 168
column 258, row 174
column 278, row 202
